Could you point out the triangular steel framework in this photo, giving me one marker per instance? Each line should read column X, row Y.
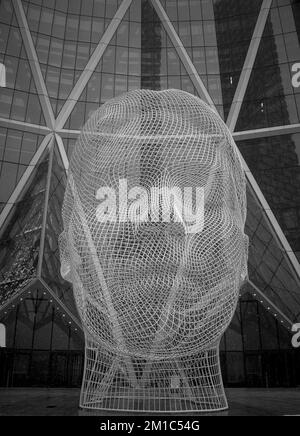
column 54, row 129
column 41, row 284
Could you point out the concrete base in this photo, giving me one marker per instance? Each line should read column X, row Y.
column 55, row 402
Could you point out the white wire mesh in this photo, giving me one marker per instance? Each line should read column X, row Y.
column 154, row 298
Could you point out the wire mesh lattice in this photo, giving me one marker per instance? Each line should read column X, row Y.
column 156, row 269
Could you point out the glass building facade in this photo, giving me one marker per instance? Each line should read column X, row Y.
column 65, row 58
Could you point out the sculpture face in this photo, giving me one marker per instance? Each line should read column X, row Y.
column 149, row 282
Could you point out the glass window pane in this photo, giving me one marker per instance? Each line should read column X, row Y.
column 99, row 8
column 292, row 46
column 33, row 112
column 234, row 335
column 6, row 11
column 135, row 11
column 39, row 368
column 85, row 29
column 5, row 102
column 185, row 33
column 42, row 47
column 268, row 330
column 87, row 7
column 121, row 60
column 43, row 326
column 287, row 19
column 14, row 43
column 122, row 34
column 209, row 33
column 134, row 62
column 197, row 33
column 21, row 368
column 25, row 321
column 59, row 25
column 82, row 55
column 212, row 61
column 69, row 55
column 52, row 81
column 207, row 9
column 183, row 10
column 195, row 10
column 171, row 7
column 56, row 52
column 107, row 81
column 11, row 65
column 13, row 146
column 199, row 60
column 46, row 21
column 4, row 34
column 235, row 368
column 66, row 83
column 78, row 116
column 74, row 6
column 3, row 133
column 109, row 60
column 110, row 8
column 93, row 88
column 120, row 85
column 173, row 63
column 72, row 28
column 8, row 178
column 29, row 146
column 254, row 370
column 24, row 76
column 33, row 17
column 60, row 338
column 135, row 35
column 62, row 5
column 18, row 109
column 97, row 30
column 250, row 325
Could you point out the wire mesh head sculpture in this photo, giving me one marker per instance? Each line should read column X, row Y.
column 154, row 244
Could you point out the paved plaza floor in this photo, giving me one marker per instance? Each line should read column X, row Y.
column 55, row 402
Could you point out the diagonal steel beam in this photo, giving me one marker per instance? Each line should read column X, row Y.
column 30, row 286
column 62, row 152
column 182, row 53
column 267, row 132
column 248, row 65
column 45, row 211
column 64, row 133
column 91, row 65
column 23, row 126
column 34, row 64
column 23, row 182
